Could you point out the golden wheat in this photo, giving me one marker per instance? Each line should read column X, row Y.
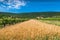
column 30, row 30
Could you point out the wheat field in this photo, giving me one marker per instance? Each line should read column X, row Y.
column 30, row 30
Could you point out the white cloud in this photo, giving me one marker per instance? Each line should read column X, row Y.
column 12, row 3
column 1, row 0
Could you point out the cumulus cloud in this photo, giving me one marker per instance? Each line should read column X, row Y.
column 1, row 0
column 12, row 3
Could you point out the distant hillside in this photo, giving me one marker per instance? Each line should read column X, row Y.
column 13, row 18
column 31, row 14
column 43, row 14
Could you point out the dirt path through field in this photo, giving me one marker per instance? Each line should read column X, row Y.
column 31, row 28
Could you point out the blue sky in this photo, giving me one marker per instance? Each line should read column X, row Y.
column 29, row 6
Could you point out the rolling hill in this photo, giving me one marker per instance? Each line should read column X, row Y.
column 13, row 18
column 31, row 14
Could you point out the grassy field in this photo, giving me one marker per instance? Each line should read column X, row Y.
column 53, row 21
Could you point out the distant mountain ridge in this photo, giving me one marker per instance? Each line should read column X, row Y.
column 31, row 14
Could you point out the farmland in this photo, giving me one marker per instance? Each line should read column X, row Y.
column 43, row 26
column 30, row 30
column 11, row 18
column 54, row 21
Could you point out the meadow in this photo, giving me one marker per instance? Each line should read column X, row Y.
column 53, row 21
